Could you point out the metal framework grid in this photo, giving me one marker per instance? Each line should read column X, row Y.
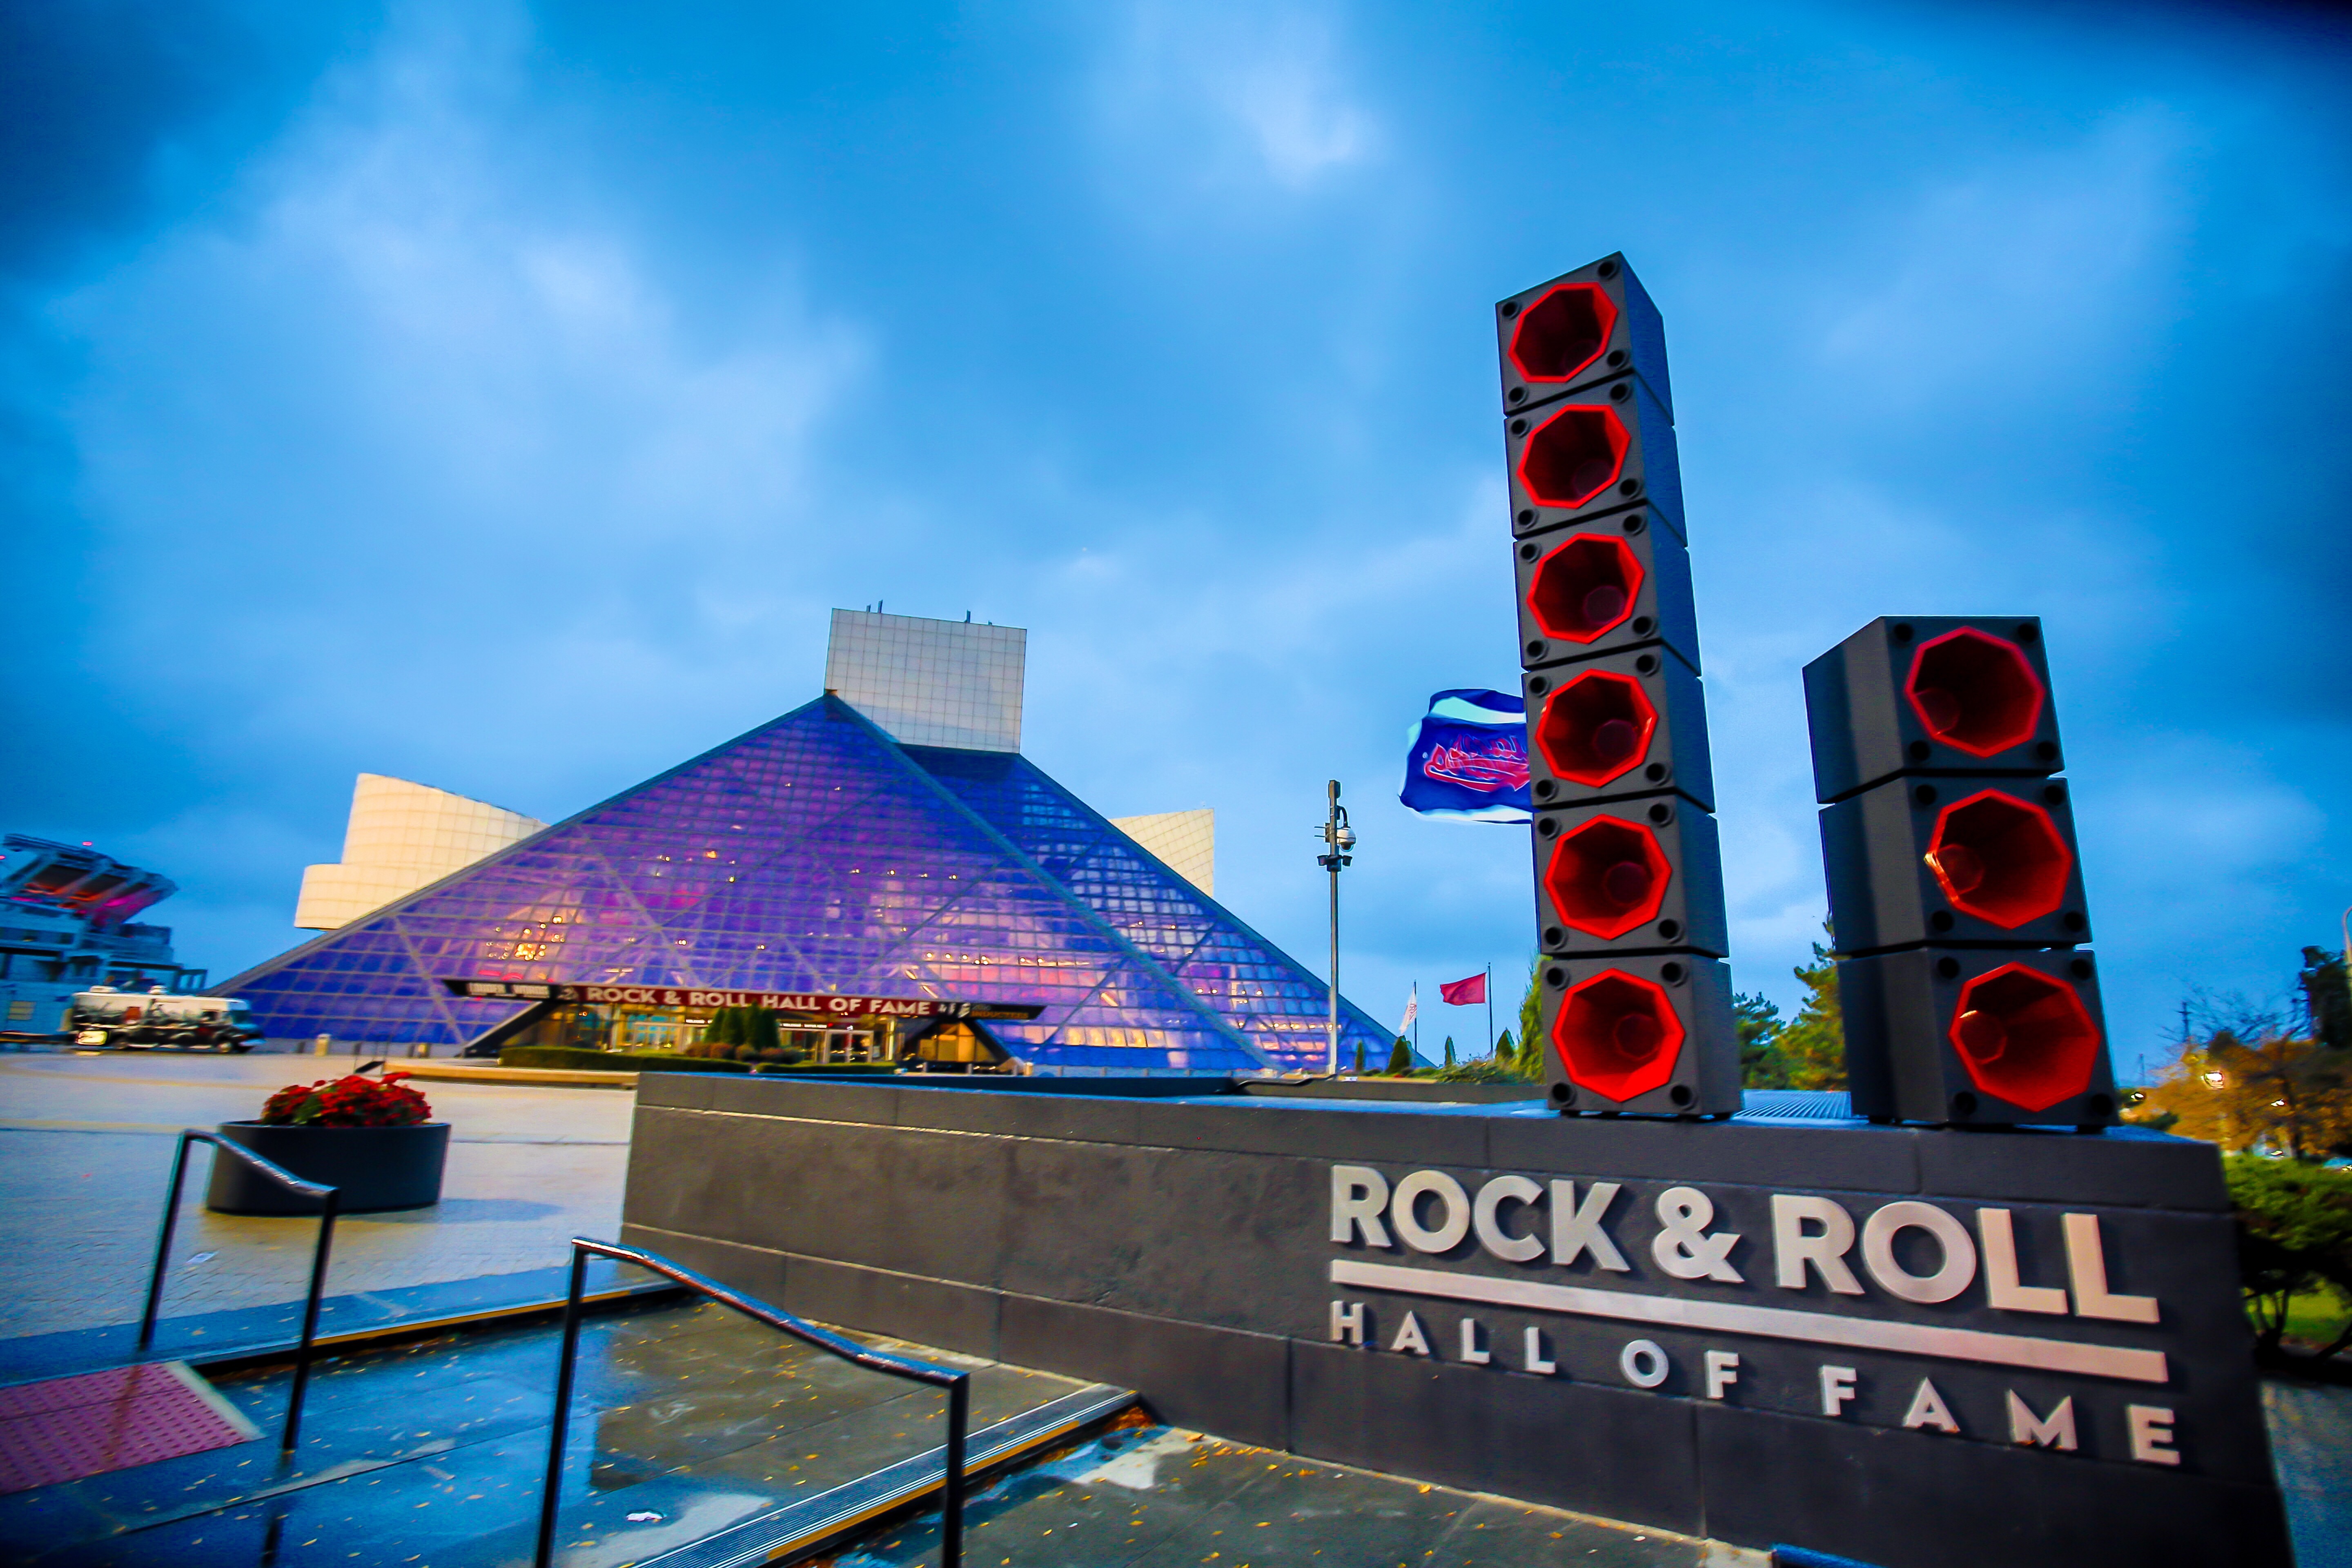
column 815, row 853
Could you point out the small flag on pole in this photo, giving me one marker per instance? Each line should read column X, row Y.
column 1465, row 993
column 1412, row 1009
column 1469, row 758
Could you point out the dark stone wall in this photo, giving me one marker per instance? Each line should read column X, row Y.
column 1179, row 1247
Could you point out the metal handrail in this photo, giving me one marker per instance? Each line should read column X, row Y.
column 957, row 1384
column 330, row 1201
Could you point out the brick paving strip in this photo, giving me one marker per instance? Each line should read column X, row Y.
column 67, row 1427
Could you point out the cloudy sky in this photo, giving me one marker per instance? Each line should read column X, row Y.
column 500, row 397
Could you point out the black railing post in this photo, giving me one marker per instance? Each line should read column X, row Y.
column 551, row 1494
column 163, row 1242
column 329, row 1203
column 328, row 1207
column 951, row 1503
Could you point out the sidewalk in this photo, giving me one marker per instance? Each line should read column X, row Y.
column 86, row 1147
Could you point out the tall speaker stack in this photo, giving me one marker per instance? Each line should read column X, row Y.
column 1956, row 889
column 1636, row 1002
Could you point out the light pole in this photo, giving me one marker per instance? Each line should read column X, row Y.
column 1338, row 839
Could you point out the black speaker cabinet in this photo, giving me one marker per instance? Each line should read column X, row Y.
column 1970, row 1038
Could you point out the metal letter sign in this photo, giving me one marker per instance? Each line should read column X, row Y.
column 1819, row 1274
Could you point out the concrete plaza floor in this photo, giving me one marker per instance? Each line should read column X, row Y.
column 86, row 1145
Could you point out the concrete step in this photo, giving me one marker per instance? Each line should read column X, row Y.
column 690, row 1421
column 1157, row 1496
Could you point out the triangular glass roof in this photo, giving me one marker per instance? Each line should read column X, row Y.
column 812, row 854
column 1259, row 990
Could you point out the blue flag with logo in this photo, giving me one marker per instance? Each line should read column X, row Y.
column 1469, row 758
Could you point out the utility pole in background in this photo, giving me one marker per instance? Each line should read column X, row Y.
column 1338, row 839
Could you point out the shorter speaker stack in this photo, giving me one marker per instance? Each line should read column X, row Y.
column 1955, row 885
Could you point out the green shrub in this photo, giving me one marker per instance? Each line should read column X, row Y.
column 1479, row 1070
column 2294, row 1237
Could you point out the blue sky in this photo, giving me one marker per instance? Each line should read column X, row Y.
column 500, row 398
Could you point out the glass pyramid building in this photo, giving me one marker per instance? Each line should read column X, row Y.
column 818, row 854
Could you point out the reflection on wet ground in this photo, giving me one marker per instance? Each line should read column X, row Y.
column 689, row 1418
column 1152, row 1497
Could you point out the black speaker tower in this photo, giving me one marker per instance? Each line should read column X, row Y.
column 1636, row 1002
column 1956, row 888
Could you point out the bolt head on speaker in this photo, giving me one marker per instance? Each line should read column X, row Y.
column 1602, row 449
column 1977, row 1038
column 1626, row 723
column 1958, row 862
column 1635, row 875
column 1615, row 582
column 1649, row 1034
column 1932, row 694
column 1582, row 327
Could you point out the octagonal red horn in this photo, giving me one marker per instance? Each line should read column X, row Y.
column 1574, row 456
column 2025, row 1038
column 1617, row 1035
column 1607, row 877
column 1999, row 858
column 1585, row 588
column 1976, row 691
column 1564, row 331
column 1596, row 728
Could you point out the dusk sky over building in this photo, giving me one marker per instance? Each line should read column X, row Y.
column 501, row 397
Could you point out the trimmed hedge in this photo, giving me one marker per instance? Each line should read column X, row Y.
column 830, row 1068
column 613, row 1061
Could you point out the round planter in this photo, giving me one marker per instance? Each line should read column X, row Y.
column 372, row 1167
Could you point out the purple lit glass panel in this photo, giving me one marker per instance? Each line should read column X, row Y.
column 808, row 855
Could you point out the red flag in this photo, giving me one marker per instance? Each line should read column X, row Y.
column 1462, row 992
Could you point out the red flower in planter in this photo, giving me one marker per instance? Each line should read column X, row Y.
column 350, row 1101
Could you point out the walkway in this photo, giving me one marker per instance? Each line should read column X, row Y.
column 86, row 1150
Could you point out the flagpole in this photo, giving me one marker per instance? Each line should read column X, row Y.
column 1490, row 1012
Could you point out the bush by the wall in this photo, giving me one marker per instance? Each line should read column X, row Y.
column 611, row 1061
column 2295, row 1239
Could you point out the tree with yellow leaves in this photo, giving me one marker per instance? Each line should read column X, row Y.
column 2252, row 1080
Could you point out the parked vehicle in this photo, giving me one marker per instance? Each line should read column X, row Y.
column 156, row 1019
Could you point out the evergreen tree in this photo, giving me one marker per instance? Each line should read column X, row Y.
column 1359, row 1059
column 764, row 1035
column 1531, row 1062
column 1401, row 1057
column 2327, row 997
column 1449, row 1050
column 1812, row 1043
column 1507, row 1053
column 1759, row 1023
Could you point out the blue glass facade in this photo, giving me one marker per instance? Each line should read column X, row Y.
column 817, row 853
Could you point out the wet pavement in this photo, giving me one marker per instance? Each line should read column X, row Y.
column 691, row 1420
column 1155, row 1497
column 688, row 1418
column 2310, row 1443
column 86, row 1146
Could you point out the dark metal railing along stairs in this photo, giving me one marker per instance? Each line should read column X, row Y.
column 958, row 1384
column 329, row 1200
